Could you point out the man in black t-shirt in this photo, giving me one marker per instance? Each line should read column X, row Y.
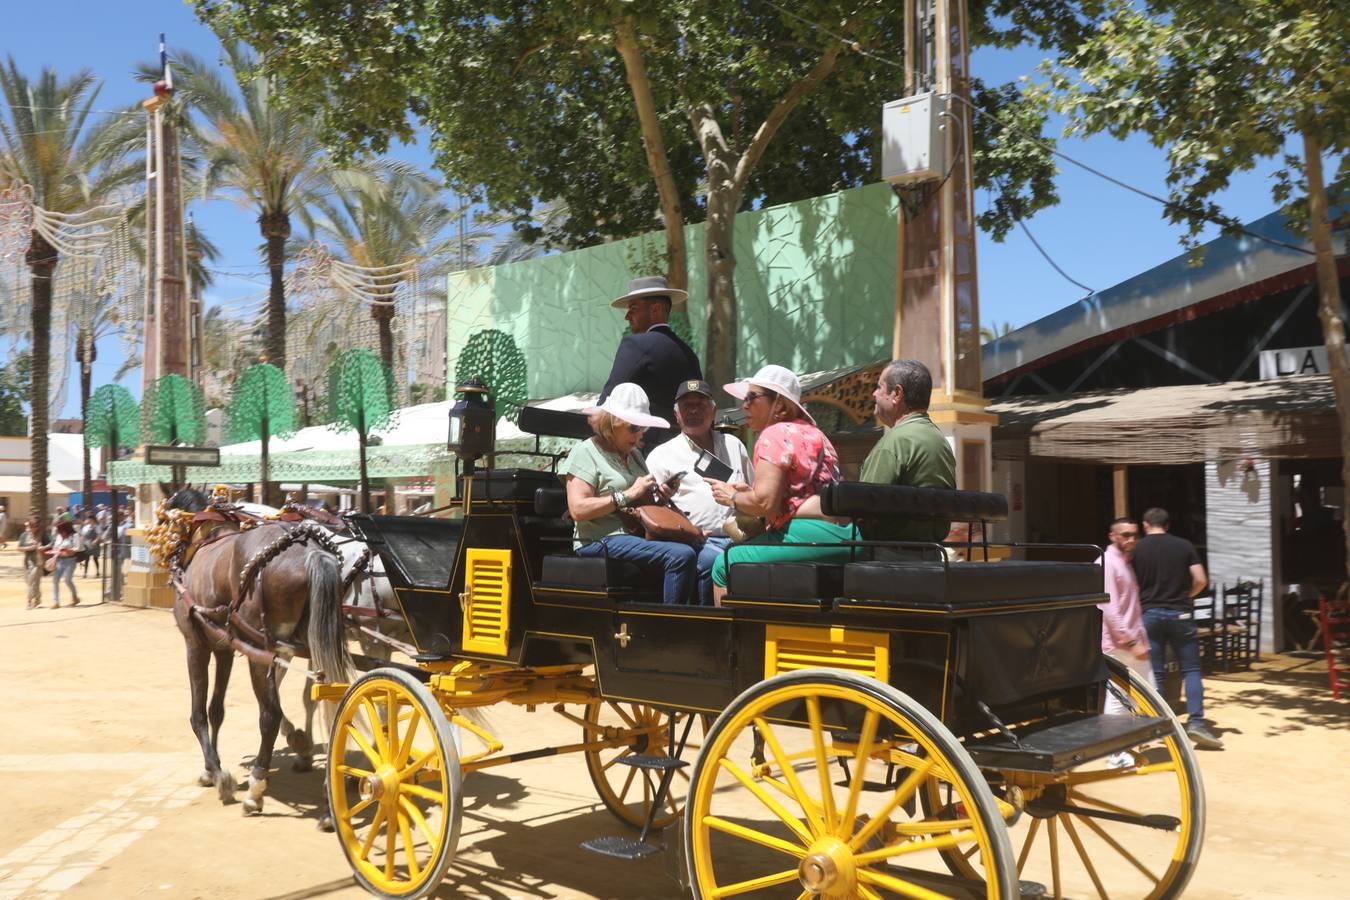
column 1170, row 575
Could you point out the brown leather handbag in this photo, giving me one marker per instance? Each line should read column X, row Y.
column 666, row 523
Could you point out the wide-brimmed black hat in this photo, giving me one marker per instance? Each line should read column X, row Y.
column 648, row 289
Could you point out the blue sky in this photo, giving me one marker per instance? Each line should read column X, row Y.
column 1099, row 234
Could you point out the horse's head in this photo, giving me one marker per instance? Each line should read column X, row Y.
column 187, row 499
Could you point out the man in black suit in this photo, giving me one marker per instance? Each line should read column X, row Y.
column 653, row 357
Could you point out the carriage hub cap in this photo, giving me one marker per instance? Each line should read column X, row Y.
column 376, row 785
column 827, row 868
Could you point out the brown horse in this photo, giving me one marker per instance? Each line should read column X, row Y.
column 247, row 590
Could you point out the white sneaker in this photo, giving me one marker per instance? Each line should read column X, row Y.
column 1120, row 760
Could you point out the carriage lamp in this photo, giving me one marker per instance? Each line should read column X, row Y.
column 471, row 421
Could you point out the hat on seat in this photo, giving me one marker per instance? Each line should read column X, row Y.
column 648, row 289
column 779, row 379
column 629, row 402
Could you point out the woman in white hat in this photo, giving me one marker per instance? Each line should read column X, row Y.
column 793, row 460
column 606, row 475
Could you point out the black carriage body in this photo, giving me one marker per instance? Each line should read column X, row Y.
column 1020, row 640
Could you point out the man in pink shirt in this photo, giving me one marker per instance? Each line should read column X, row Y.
column 1123, row 632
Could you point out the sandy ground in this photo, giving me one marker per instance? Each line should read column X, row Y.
column 98, row 768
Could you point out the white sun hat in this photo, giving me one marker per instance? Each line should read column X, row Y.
column 779, row 379
column 629, row 402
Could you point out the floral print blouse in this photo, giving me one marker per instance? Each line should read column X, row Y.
column 807, row 458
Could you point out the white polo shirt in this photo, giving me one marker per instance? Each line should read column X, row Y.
column 693, row 495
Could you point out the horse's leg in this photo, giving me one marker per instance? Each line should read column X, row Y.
column 269, row 722
column 224, row 781
column 298, row 739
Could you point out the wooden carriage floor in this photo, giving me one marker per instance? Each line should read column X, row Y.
column 98, row 769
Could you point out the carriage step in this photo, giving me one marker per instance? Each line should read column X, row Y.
column 620, row 847
column 650, row 761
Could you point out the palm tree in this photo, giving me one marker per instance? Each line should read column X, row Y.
column 254, row 148
column 380, row 218
column 72, row 165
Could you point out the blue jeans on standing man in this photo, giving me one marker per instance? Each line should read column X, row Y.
column 677, row 561
column 1167, row 628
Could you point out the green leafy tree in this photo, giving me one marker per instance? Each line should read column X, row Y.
column 256, row 149
column 630, row 109
column 73, row 163
column 16, row 380
column 263, row 406
column 358, row 400
column 174, row 412
column 1221, row 86
column 493, row 356
column 111, row 421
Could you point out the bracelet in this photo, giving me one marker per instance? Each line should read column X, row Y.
column 734, row 495
column 620, row 500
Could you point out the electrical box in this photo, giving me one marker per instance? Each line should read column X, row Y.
column 914, row 139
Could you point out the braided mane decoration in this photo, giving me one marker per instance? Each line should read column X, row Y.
column 170, row 534
column 303, row 531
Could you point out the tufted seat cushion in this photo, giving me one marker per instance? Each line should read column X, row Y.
column 804, row 581
column 968, row 583
column 595, row 573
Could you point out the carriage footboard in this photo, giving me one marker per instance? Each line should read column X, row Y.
column 1067, row 741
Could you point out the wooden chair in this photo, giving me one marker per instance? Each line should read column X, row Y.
column 1207, row 630
column 1334, row 618
column 1240, row 625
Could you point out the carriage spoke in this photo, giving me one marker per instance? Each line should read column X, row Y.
column 627, row 751
column 361, row 807
column 1115, row 845
column 390, row 842
column 404, row 746
column 822, row 763
column 376, row 726
column 809, row 806
column 353, row 771
column 897, row 885
column 1083, row 855
column 1052, row 831
column 623, row 715
column 865, row 740
column 411, row 851
column 939, row 842
column 425, row 793
column 866, row 892
column 372, row 834
column 735, row 829
column 1104, row 804
column 419, row 820
column 416, row 765
column 627, row 783
column 359, row 739
column 1026, row 845
column 902, row 793
column 767, row 799
column 754, row 884
column 391, row 740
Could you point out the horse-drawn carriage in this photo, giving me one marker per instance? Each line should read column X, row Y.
column 885, row 727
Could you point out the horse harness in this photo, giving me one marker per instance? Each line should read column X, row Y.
column 223, row 621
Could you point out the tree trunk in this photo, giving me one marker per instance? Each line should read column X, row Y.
column 85, row 352
column 384, row 319
column 264, row 466
column 276, row 229
column 1329, row 305
column 41, row 258
column 365, row 479
column 677, row 255
column 720, row 356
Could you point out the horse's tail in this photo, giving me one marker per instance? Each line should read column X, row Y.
column 327, row 631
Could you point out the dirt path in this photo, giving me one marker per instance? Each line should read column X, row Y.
column 98, row 768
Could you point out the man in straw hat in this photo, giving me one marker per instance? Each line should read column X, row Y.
column 653, row 356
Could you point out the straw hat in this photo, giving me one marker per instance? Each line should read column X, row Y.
column 779, row 379
column 648, row 289
column 629, row 402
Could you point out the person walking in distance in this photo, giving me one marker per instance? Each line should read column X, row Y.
column 1170, row 576
column 31, row 542
column 66, row 548
column 1123, row 634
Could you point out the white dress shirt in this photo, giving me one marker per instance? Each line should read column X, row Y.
column 693, row 496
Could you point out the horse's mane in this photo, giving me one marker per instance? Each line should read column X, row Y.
column 188, row 499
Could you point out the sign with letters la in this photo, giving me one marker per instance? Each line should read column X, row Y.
column 1293, row 361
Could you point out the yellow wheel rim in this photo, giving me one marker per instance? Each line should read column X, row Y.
column 393, row 782
column 793, row 824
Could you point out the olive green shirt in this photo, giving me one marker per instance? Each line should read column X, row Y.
column 606, row 473
column 914, row 452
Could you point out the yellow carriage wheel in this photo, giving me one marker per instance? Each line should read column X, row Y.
column 1131, row 830
column 807, row 787
column 394, row 785
column 628, row 791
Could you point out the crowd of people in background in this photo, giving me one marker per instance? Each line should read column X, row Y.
column 77, row 538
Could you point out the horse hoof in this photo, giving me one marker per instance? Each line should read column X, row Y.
column 326, row 825
column 252, row 807
column 300, row 744
column 206, row 779
column 303, row 764
column 225, row 787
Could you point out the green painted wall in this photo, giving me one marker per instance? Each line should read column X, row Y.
column 815, row 284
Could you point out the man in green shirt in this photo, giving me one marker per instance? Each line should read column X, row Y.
column 913, row 451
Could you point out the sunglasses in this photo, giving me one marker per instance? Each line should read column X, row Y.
column 752, row 396
column 636, row 429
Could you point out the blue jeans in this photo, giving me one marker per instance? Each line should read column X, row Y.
column 65, row 569
column 1165, row 629
column 712, row 548
column 679, row 562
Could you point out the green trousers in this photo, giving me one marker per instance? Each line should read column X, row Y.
column 777, row 546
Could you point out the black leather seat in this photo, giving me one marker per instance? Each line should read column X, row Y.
column 965, row 584
column 786, row 582
column 596, row 573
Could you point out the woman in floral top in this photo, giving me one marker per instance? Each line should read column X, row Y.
column 793, row 460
